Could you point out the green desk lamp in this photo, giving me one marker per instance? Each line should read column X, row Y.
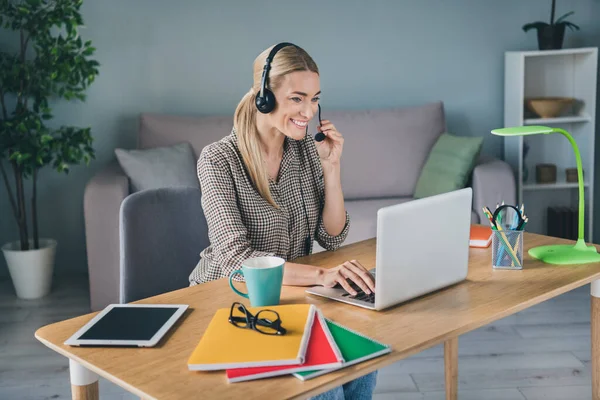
column 561, row 254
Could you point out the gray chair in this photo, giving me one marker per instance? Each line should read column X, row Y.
column 162, row 232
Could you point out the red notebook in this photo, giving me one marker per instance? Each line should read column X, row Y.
column 322, row 353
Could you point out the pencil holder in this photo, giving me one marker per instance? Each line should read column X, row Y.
column 507, row 249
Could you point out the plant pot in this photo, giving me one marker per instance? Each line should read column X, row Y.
column 551, row 37
column 31, row 270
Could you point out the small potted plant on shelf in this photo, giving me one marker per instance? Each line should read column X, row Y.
column 551, row 35
column 50, row 60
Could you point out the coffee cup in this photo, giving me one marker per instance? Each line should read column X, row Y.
column 264, row 278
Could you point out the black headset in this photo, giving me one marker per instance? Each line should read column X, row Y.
column 265, row 99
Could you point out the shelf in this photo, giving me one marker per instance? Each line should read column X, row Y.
column 570, row 72
column 559, row 120
column 556, row 185
column 560, row 52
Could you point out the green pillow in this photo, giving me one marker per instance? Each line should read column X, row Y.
column 449, row 165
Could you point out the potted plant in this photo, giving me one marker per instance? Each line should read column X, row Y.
column 550, row 36
column 50, row 61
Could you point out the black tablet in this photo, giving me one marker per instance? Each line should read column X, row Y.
column 140, row 325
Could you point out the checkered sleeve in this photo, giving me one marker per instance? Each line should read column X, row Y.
column 329, row 242
column 324, row 239
column 226, row 231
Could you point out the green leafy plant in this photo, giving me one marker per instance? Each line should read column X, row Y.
column 560, row 21
column 51, row 61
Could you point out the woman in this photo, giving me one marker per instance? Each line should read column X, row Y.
column 269, row 188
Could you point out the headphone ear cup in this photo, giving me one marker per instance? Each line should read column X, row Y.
column 266, row 103
column 259, row 101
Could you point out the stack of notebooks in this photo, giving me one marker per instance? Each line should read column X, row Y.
column 312, row 346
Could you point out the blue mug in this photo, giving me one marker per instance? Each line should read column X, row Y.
column 264, row 278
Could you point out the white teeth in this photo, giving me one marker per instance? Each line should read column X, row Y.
column 299, row 123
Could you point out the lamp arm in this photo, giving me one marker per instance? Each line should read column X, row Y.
column 580, row 237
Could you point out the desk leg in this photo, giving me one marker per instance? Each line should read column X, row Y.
column 84, row 383
column 595, row 322
column 451, row 368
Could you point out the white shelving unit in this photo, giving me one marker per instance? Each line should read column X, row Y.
column 549, row 73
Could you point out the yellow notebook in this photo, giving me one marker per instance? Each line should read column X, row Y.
column 224, row 346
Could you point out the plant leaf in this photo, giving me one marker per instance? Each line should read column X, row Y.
column 57, row 64
column 571, row 25
column 534, row 25
column 563, row 17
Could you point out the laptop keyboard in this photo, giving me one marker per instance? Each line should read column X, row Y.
column 360, row 294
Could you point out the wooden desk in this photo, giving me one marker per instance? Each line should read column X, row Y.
column 485, row 296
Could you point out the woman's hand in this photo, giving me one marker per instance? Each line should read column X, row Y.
column 330, row 149
column 352, row 270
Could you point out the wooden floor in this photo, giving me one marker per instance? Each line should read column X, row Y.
column 540, row 353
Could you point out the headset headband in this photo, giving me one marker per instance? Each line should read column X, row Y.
column 267, row 66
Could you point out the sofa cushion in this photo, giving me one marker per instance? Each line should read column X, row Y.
column 390, row 145
column 449, row 165
column 474, row 217
column 167, row 166
column 384, row 150
column 157, row 130
column 363, row 218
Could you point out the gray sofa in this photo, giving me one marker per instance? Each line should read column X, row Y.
column 384, row 152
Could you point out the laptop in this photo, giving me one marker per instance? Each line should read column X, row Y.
column 422, row 246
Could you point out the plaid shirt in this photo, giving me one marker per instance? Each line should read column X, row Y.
column 241, row 224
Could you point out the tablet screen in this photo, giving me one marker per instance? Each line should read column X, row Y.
column 135, row 323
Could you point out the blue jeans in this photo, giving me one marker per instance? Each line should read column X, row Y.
column 358, row 389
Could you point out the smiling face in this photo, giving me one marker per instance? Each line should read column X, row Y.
column 297, row 99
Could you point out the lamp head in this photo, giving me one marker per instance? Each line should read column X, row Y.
column 523, row 130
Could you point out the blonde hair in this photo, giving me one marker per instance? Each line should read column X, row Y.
column 288, row 59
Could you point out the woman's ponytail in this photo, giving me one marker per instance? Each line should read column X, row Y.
column 244, row 122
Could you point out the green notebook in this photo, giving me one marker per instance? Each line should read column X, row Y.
column 354, row 347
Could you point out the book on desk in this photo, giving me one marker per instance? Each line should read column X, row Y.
column 355, row 348
column 315, row 346
column 480, row 236
column 224, row 345
column 322, row 353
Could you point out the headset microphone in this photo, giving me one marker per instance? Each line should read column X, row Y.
column 320, row 136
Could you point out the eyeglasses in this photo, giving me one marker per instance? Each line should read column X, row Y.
column 266, row 322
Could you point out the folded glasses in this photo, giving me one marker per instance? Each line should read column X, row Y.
column 266, row 321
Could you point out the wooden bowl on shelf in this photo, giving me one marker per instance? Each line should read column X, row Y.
column 549, row 107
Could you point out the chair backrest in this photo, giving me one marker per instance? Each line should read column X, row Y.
column 162, row 232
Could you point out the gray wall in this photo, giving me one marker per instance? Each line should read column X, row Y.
column 195, row 57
